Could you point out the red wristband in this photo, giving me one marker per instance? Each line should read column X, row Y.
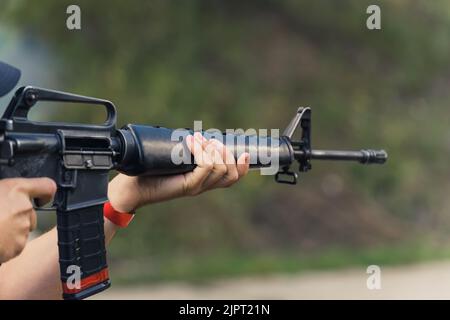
column 121, row 219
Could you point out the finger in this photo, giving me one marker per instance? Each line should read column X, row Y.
column 219, row 168
column 205, row 142
column 243, row 164
column 33, row 220
column 232, row 174
column 202, row 159
column 41, row 188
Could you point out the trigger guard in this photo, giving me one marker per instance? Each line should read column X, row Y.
column 38, row 207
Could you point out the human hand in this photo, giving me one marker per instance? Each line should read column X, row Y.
column 17, row 216
column 216, row 168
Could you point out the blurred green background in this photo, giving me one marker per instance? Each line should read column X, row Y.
column 250, row 64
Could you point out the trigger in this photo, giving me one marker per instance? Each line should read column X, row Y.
column 36, row 203
column 38, row 206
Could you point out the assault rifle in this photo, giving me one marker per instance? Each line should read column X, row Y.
column 78, row 157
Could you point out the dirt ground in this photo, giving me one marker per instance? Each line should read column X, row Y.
column 420, row 281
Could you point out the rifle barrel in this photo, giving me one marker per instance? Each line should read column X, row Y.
column 365, row 156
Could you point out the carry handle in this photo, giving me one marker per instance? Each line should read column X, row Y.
column 26, row 97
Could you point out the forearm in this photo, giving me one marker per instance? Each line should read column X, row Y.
column 34, row 274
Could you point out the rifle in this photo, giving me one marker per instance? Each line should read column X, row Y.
column 78, row 157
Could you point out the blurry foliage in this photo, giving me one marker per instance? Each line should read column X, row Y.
column 250, row 64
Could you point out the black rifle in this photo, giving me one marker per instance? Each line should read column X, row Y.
column 79, row 157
